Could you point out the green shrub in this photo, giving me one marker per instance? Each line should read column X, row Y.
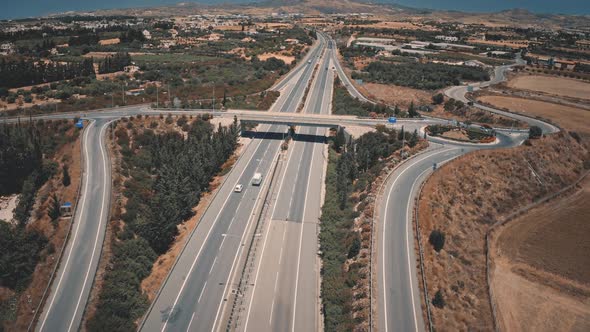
column 438, row 300
column 437, row 240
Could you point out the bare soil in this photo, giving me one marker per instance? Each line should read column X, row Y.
column 552, row 85
column 288, row 59
column 464, row 198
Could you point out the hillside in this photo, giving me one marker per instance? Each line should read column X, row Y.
column 492, row 185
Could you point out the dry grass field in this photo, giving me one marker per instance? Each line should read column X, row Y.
column 541, row 274
column 568, row 117
column 464, row 198
column 552, row 85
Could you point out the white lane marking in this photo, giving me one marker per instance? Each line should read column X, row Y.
column 249, row 224
column 266, row 238
column 82, row 211
column 212, row 265
column 190, row 323
column 222, row 240
column 102, row 209
column 300, row 242
column 383, row 242
column 274, row 293
column 202, row 291
column 206, row 239
column 282, row 246
column 272, row 308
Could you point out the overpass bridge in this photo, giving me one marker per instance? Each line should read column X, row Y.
column 300, row 119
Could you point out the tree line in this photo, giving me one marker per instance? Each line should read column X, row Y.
column 167, row 173
column 425, row 76
column 25, row 165
column 115, row 63
column 15, row 74
column 352, row 168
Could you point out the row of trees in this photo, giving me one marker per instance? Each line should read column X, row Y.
column 426, row 76
column 343, row 103
column 14, row 74
column 167, row 173
column 115, row 63
column 352, row 168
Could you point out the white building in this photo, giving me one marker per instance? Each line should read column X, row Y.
column 147, row 34
column 447, row 38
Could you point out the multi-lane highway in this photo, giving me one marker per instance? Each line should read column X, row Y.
column 195, row 293
column 285, row 294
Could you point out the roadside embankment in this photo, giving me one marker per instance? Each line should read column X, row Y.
column 464, row 198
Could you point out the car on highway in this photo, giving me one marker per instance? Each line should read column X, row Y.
column 238, row 188
column 256, row 179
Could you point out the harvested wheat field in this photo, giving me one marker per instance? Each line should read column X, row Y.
column 568, row 117
column 464, row 198
column 541, row 273
column 394, row 95
column 552, row 85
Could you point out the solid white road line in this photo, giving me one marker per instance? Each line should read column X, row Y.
column 384, row 290
column 265, row 239
column 300, row 242
column 100, row 220
column 240, row 249
column 82, row 211
column 206, row 238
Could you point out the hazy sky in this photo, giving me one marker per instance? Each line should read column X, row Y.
column 26, row 8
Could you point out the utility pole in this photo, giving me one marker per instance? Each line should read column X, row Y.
column 169, row 93
column 123, row 90
column 157, row 97
column 213, row 97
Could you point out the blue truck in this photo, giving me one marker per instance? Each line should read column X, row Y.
column 392, row 119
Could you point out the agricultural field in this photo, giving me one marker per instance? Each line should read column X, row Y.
column 552, row 85
column 540, row 267
column 569, row 117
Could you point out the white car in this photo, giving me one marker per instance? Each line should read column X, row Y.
column 238, row 188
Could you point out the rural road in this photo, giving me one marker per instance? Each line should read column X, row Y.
column 397, row 291
column 65, row 305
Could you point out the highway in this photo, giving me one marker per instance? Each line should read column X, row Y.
column 285, row 294
column 194, row 295
column 65, row 305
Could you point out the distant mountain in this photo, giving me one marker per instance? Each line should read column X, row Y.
column 575, row 7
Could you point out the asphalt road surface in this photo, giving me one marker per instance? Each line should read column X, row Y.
column 194, row 296
column 285, row 294
column 398, row 294
column 69, row 292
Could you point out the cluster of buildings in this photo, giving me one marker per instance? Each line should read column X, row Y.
column 413, row 47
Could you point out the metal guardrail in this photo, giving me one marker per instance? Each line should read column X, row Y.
column 244, row 280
